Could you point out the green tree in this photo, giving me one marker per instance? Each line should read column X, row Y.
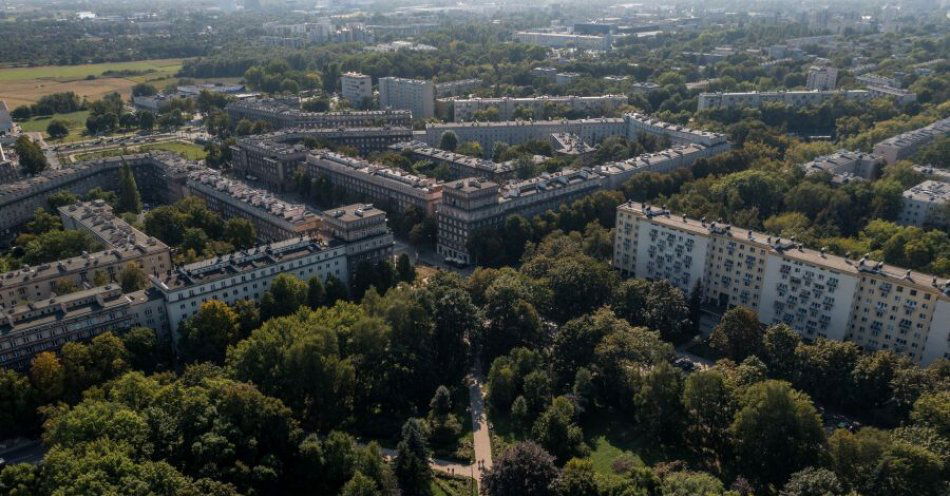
column 57, row 129
column 710, row 406
column 778, row 351
column 18, row 401
column 132, row 278
column 316, row 293
column 404, row 269
column 285, row 296
column 776, row 432
column 556, row 431
column 813, row 482
column 577, row 478
column 933, row 410
column 31, row 157
column 146, row 120
column 336, row 290
column 691, row 484
column 412, row 460
column 206, row 335
column 657, row 401
column 449, row 141
column 738, row 334
column 61, row 199
column 523, row 469
column 240, row 233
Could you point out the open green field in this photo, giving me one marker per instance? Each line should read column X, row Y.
column 76, row 122
column 189, row 151
column 443, row 485
column 25, row 85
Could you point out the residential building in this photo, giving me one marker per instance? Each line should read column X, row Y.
column 456, row 88
column 415, row 95
column 246, row 275
column 459, row 165
column 821, row 77
column 677, row 134
column 48, row 323
column 790, row 98
column 820, row 295
column 357, row 89
column 899, row 95
column 517, row 132
column 6, row 122
column 286, row 112
column 926, row 204
column 159, row 176
column 273, row 218
column 878, row 80
column 905, row 145
column 845, row 166
column 570, row 145
column 540, row 107
column 121, row 245
column 388, row 188
column 562, row 40
column 274, row 157
column 363, row 229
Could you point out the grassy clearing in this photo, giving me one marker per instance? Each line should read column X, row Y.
column 76, row 121
column 64, row 72
column 189, row 151
column 25, row 85
column 610, row 435
column 443, row 485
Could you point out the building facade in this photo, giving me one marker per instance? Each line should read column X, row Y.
column 905, row 145
column 818, row 294
column 926, row 205
column 414, row 95
column 357, row 89
column 539, row 107
column 286, row 112
column 756, row 99
column 821, row 78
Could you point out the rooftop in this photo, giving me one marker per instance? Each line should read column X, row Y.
column 929, row 191
column 258, row 199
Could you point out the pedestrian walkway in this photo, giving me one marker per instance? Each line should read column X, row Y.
column 480, row 428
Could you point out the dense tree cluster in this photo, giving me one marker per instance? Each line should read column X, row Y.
column 201, row 233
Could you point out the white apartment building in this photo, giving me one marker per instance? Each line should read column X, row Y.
column 821, row 77
column 818, row 294
column 246, row 275
column 899, row 95
column 357, row 89
column 415, row 95
column 926, row 204
column 906, row 144
column 877, row 80
column 845, row 166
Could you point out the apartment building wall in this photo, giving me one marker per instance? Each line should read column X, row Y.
column 415, row 95
column 820, row 295
column 356, row 88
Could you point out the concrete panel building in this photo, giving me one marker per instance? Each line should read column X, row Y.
column 818, row 294
column 562, row 40
column 926, row 204
column 286, row 112
column 905, row 145
column 357, row 89
column 791, row 98
column 821, row 77
column 591, row 106
column 845, row 166
column 414, row 95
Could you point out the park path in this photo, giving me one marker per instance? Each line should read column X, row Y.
column 480, row 427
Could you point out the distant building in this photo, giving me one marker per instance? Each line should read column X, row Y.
column 357, row 89
column 845, row 166
column 286, row 112
column 821, row 77
column 562, row 40
column 6, row 122
column 906, row 144
column 926, row 204
column 899, row 95
column 791, row 98
column 415, row 95
column 456, row 88
column 459, row 165
column 878, row 80
column 592, row 106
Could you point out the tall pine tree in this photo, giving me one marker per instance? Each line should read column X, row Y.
column 129, row 198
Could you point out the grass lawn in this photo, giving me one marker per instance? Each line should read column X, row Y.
column 75, row 120
column 611, row 436
column 25, row 85
column 443, row 485
column 189, row 151
column 59, row 72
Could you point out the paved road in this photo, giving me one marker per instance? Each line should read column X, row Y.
column 444, row 466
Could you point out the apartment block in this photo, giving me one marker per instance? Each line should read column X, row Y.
column 286, row 112
column 414, row 95
column 273, row 218
column 517, row 132
column 677, row 134
column 899, row 95
column 121, row 245
column 540, row 106
column 456, row 88
column 246, row 275
column 844, row 166
column 878, row 80
column 388, row 188
column 363, row 229
column 926, row 204
column 461, row 166
column 818, row 294
column 756, row 99
column 905, row 145
column 357, row 89
column 47, row 324
column 821, row 77
column 561, row 40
